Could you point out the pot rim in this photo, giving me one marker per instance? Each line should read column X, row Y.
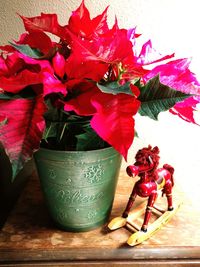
column 101, row 150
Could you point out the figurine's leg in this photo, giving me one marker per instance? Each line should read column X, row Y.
column 129, row 204
column 168, row 192
column 151, row 201
column 169, row 201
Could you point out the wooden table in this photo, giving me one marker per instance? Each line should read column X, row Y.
column 29, row 237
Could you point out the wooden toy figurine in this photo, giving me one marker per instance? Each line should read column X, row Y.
column 152, row 179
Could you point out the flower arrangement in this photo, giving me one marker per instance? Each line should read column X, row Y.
column 82, row 92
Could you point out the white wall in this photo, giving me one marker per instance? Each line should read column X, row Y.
column 173, row 26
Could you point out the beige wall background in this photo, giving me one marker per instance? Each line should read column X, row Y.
column 173, row 26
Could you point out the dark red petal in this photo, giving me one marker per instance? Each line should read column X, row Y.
column 7, row 48
column 15, row 84
column 81, row 104
column 22, row 133
column 78, row 68
column 38, row 40
column 3, row 66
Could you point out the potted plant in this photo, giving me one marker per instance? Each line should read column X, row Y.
column 77, row 97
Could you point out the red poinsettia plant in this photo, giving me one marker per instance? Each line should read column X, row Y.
column 82, row 91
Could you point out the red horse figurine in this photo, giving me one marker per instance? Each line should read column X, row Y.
column 151, row 180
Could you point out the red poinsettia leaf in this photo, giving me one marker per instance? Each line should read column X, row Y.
column 132, row 35
column 185, row 109
column 148, row 55
column 114, row 121
column 81, row 104
column 22, row 132
column 92, row 59
column 18, row 71
column 52, row 85
column 46, row 23
column 3, row 66
column 110, row 48
column 114, row 48
column 7, row 48
column 32, row 63
column 78, row 68
column 13, row 64
column 82, row 25
column 38, row 40
column 79, row 21
column 15, row 84
column 82, row 63
column 45, row 75
column 59, row 64
column 176, row 74
column 100, row 23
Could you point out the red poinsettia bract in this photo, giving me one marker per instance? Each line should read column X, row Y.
column 114, row 120
column 21, row 129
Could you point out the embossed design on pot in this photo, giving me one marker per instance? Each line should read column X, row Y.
column 92, row 214
column 52, row 173
column 78, row 196
column 61, row 194
column 94, row 173
column 68, row 181
column 77, row 210
column 62, row 216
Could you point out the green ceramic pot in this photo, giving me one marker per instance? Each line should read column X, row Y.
column 78, row 186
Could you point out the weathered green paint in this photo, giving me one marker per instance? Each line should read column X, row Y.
column 79, row 186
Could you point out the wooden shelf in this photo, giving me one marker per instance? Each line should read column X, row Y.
column 29, row 238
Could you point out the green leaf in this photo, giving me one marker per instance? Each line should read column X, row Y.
column 26, row 93
column 27, row 50
column 156, row 97
column 50, row 130
column 89, row 141
column 115, row 88
column 52, row 114
column 6, row 96
column 136, row 133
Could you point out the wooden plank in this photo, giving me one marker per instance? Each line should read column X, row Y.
column 153, row 263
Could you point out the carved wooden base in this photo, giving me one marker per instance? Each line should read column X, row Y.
column 139, row 236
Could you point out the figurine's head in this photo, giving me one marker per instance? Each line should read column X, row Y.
column 148, row 155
